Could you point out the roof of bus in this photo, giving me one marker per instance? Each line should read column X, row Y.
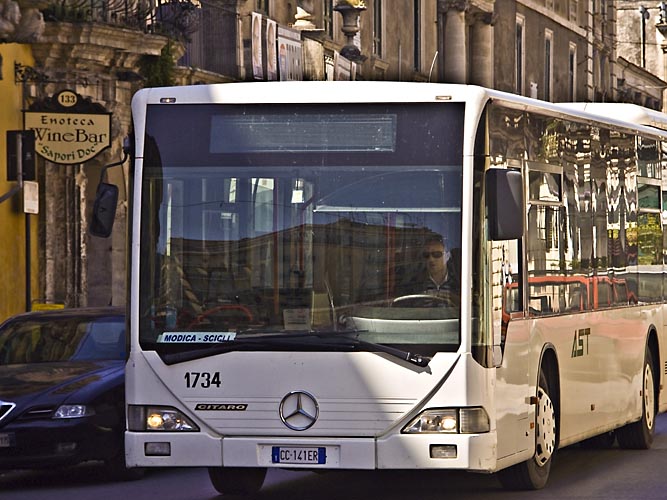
column 316, row 91
column 374, row 91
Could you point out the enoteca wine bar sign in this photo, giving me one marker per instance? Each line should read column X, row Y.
column 69, row 129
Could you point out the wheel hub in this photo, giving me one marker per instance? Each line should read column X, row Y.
column 649, row 397
column 545, row 439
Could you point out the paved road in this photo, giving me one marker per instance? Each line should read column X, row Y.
column 577, row 473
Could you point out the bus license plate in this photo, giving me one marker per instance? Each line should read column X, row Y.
column 299, row 455
column 6, row 440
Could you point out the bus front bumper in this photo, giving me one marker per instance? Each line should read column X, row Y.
column 474, row 452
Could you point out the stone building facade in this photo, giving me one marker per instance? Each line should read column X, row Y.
column 557, row 50
column 99, row 61
column 642, row 45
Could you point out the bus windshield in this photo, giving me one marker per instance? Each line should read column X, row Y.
column 278, row 220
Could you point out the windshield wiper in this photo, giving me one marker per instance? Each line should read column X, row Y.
column 297, row 338
column 410, row 357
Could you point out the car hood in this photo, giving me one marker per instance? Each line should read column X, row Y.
column 23, row 384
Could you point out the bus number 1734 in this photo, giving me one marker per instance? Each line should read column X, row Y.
column 202, row 379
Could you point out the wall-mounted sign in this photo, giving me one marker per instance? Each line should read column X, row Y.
column 69, row 129
column 271, row 55
column 290, row 56
column 31, row 197
column 257, row 68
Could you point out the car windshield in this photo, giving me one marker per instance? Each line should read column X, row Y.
column 301, row 218
column 51, row 339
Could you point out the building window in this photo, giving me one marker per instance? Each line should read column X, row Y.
column 548, row 64
column 328, row 17
column 417, row 30
column 519, row 54
column 572, row 73
column 262, row 6
column 377, row 28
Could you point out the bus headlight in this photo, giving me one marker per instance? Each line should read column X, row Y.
column 158, row 418
column 450, row 420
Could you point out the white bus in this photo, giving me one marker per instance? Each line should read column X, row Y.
column 283, row 313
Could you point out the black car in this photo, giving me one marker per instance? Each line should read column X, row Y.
column 62, row 389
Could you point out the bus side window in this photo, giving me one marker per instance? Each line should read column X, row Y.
column 604, row 293
column 622, row 295
column 577, row 297
column 512, row 299
column 510, row 281
column 511, row 277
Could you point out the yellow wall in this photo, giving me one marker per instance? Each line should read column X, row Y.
column 12, row 219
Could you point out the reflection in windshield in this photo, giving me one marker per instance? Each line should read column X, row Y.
column 326, row 233
column 315, row 250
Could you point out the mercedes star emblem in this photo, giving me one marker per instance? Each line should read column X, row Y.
column 299, row 410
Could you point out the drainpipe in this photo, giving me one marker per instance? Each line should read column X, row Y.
column 645, row 15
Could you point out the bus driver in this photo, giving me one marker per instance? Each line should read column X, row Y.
column 440, row 278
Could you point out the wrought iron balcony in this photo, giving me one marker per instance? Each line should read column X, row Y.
column 23, row 20
column 175, row 18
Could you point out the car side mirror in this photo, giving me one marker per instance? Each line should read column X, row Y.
column 104, row 210
column 504, row 204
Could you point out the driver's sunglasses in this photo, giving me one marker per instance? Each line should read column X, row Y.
column 436, row 254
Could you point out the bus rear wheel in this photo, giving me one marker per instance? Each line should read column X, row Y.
column 236, row 480
column 534, row 473
column 639, row 435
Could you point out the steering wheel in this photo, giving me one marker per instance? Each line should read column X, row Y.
column 423, row 300
column 180, row 317
column 224, row 307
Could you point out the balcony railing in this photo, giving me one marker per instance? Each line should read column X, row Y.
column 207, row 29
column 178, row 19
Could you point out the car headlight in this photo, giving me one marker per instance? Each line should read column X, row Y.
column 73, row 411
column 451, row 421
column 158, row 418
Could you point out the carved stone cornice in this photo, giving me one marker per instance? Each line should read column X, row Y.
column 94, row 46
column 488, row 18
column 20, row 23
column 458, row 5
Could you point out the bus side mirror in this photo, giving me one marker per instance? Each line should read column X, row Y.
column 104, row 210
column 504, row 204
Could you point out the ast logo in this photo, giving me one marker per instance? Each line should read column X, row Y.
column 580, row 342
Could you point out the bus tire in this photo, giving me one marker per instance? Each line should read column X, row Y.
column 639, row 435
column 237, row 480
column 533, row 474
